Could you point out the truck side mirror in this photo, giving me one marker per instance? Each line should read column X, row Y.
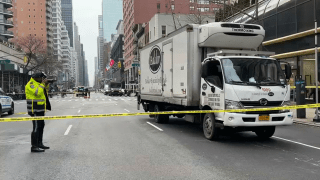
column 213, row 89
column 204, row 69
column 288, row 71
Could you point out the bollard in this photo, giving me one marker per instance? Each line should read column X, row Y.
column 300, row 96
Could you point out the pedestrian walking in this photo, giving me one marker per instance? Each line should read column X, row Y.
column 37, row 104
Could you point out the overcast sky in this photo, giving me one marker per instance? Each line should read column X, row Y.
column 86, row 16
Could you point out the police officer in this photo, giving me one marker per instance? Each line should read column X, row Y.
column 37, row 104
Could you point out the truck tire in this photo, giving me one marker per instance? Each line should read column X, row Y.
column 265, row 132
column 210, row 131
column 151, row 109
column 0, row 111
column 161, row 118
column 12, row 109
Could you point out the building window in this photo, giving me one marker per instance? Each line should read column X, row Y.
column 191, row 1
column 172, row 7
column 158, row 6
column 206, row 9
column 191, row 8
column 164, row 30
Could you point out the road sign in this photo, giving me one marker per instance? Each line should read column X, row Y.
column 5, row 61
column 135, row 65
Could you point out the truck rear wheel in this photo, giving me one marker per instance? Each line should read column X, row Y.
column 265, row 132
column 210, row 130
column 160, row 118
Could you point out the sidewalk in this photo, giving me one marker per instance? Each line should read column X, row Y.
column 310, row 113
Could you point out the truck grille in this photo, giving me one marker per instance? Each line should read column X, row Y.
column 257, row 103
column 263, row 112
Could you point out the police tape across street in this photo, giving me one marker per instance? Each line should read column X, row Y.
column 152, row 113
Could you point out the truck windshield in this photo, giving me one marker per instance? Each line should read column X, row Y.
column 252, row 71
column 115, row 85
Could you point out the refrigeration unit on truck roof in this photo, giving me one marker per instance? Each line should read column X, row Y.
column 231, row 35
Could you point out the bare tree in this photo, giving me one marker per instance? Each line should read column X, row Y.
column 200, row 14
column 50, row 65
column 34, row 48
column 231, row 9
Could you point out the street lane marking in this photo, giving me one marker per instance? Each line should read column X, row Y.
column 67, row 131
column 109, row 99
column 126, row 110
column 155, row 126
column 297, row 142
column 79, row 111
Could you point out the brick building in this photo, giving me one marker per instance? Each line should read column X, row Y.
column 33, row 17
column 141, row 11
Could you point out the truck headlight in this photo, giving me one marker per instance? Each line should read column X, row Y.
column 122, row 90
column 233, row 105
column 284, row 104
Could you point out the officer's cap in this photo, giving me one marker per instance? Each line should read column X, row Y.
column 39, row 75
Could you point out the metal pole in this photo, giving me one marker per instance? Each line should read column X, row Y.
column 316, row 118
column 224, row 10
column 2, row 80
column 257, row 8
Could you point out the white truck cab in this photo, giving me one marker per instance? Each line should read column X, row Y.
column 6, row 103
column 215, row 66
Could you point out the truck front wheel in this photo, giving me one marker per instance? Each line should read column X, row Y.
column 265, row 132
column 160, row 118
column 210, row 130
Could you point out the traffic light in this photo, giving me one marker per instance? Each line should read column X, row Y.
column 119, row 64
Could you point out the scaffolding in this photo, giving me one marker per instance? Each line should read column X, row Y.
column 13, row 81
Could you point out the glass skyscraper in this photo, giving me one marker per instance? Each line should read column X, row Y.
column 112, row 13
column 67, row 17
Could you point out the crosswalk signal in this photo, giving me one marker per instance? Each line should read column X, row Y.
column 119, row 64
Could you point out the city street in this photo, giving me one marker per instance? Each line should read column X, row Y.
column 138, row 148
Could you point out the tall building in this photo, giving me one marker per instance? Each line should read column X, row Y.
column 67, row 17
column 74, row 66
column 66, row 56
column 77, row 45
column 117, row 55
column 112, row 12
column 96, row 72
column 86, row 77
column 141, row 11
column 56, row 23
column 100, row 44
column 5, row 24
column 33, row 17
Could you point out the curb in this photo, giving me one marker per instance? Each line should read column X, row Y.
column 306, row 123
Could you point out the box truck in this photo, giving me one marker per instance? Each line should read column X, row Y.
column 215, row 66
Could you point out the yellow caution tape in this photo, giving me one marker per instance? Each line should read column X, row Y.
column 307, row 87
column 154, row 113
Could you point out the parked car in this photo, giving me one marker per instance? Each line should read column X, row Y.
column 6, row 103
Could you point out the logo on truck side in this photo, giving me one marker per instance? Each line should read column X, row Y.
column 155, row 59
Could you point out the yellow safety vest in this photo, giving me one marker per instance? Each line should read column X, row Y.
column 36, row 99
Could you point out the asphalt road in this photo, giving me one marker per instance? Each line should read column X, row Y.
column 132, row 148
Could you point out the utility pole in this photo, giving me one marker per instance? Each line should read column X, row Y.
column 316, row 118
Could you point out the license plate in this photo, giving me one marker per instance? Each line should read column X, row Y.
column 264, row 118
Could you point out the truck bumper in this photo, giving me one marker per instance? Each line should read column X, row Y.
column 251, row 120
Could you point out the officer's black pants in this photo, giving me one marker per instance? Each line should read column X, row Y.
column 37, row 132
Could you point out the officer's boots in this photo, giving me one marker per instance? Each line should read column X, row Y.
column 35, row 143
column 40, row 144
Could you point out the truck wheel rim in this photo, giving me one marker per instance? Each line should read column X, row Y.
column 208, row 126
